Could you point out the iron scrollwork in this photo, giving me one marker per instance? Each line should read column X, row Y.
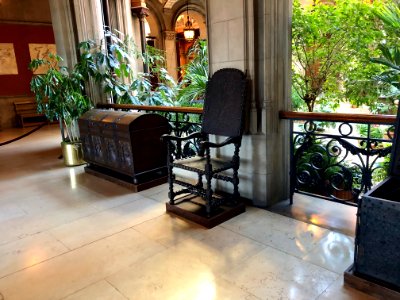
column 183, row 124
column 337, row 165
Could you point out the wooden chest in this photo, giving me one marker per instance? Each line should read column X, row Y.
column 124, row 142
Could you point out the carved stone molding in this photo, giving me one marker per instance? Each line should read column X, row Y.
column 169, row 35
column 140, row 11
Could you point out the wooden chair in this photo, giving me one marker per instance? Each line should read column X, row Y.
column 222, row 116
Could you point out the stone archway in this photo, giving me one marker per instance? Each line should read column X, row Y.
column 162, row 18
column 183, row 45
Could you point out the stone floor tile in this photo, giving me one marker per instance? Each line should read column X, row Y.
column 28, row 252
column 338, row 291
column 27, row 225
column 320, row 212
column 289, row 235
column 178, row 273
column 334, row 252
column 170, row 230
column 10, row 210
column 273, row 274
column 99, row 225
column 101, row 290
column 155, row 190
column 68, row 273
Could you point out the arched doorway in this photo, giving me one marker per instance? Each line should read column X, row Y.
column 189, row 20
column 164, row 27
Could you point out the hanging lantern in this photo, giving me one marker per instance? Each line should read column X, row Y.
column 188, row 31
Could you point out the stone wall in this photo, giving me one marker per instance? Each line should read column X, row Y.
column 254, row 36
column 27, row 11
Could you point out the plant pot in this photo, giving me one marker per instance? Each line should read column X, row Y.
column 72, row 154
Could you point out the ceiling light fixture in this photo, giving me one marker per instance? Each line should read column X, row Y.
column 188, row 31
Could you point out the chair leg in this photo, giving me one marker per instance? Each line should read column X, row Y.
column 236, row 194
column 209, row 194
column 235, row 176
column 171, row 194
column 199, row 183
column 209, row 175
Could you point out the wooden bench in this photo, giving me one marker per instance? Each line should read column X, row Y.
column 27, row 115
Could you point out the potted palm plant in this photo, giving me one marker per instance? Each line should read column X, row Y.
column 194, row 81
column 59, row 93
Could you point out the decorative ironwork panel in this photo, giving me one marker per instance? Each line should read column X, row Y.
column 339, row 161
column 183, row 124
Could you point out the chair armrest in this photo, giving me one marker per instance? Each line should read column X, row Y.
column 229, row 140
column 168, row 137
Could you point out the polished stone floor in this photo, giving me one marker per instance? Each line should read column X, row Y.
column 69, row 235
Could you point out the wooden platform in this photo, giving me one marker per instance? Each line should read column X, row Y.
column 369, row 287
column 192, row 208
column 146, row 183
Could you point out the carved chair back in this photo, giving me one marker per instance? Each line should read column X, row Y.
column 224, row 103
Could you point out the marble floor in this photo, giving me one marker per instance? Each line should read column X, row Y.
column 69, row 235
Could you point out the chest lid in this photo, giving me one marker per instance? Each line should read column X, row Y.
column 132, row 121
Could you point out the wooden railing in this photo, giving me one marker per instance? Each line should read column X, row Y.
column 337, row 117
column 171, row 109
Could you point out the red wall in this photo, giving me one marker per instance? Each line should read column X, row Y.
column 22, row 35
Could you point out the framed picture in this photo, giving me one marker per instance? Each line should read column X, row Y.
column 8, row 61
column 39, row 51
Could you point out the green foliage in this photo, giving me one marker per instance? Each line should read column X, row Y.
column 112, row 66
column 165, row 91
column 389, row 50
column 59, row 93
column 193, row 84
column 381, row 170
column 297, row 102
column 331, row 46
column 375, row 131
column 114, row 70
column 389, row 14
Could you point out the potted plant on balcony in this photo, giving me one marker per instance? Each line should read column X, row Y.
column 59, row 93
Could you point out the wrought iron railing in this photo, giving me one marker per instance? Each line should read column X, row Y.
column 183, row 121
column 338, row 156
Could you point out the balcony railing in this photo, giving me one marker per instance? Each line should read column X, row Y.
column 183, row 121
column 338, row 156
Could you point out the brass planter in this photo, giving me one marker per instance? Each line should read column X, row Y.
column 72, row 154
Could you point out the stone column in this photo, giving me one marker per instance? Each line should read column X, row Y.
column 170, row 50
column 141, row 12
column 64, row 30
column 277, row 96
column 89, row 19
column 89, row 23
column 254, row 36
column 75, row 21
column 124, row 17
